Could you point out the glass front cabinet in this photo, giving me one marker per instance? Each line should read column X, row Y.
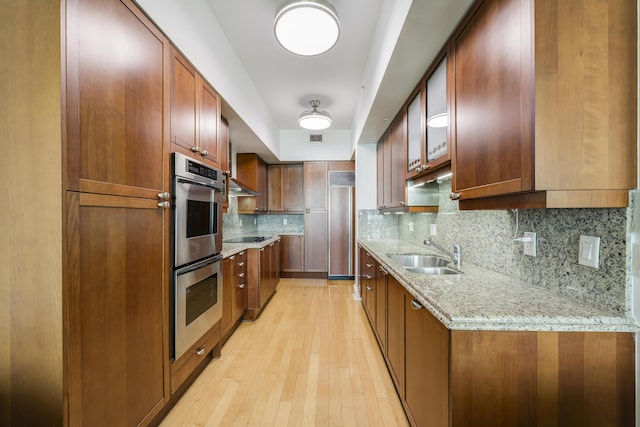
column 428, row 141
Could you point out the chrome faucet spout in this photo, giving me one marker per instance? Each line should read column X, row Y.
column 456, row 256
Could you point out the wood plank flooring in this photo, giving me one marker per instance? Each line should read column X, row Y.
column 310, row 359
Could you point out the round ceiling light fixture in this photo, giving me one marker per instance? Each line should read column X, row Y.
column 314, row 119
column 306, row 27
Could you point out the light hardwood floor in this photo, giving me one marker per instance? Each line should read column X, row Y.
column 310, row 359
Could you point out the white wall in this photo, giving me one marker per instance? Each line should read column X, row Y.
column 194, row 29
column 295, row 145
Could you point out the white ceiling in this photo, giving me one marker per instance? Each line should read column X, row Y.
column 385, row 46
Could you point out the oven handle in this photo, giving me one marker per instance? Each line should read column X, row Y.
column 201, row 184
column 199, row 264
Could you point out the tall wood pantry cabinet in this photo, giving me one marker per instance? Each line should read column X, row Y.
column 87, row 275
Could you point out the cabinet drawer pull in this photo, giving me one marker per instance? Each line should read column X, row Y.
column 164, row 205
column 261, row 249
column 383, row 270
column 164, row 196
column 204, row 153
column 195, row 149
column 416, row 305
column 241, row 286
column 240, row 264
column 369, row 265
column 232, row 257
column 369, row 288
column 200, row 351
column 454, row 196
column 367, row 277
column 241, row 253
column 240, row 274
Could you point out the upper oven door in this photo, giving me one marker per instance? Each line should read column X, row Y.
column 198, row 221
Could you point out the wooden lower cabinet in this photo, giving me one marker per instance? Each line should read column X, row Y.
column 381, row 305
column 234, row 292
column 368, row 284
column 292, row 253
column 117, row 346
column 458, row 378
column 263, row 274
column 395, row 332
column 426, row 364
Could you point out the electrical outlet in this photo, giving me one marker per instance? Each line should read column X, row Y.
column 530, row 245
column 255, row 221
column 410, row 226
column 433, row 229
column 284, row 221
column 240, row 222
column 589, row 251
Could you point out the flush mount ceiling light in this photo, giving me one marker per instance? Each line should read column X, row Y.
column 306, row 27
column 438, row 121
column 314, row 119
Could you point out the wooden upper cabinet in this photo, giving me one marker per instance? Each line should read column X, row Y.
column 285, row 188
column 115, row 99
column 195, row 112
column 251, row 170
column 315, row 185
column 392, row 164
column 225, row 161
column 209, row 124
column 545, row 105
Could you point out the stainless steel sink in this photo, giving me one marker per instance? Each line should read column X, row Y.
column 424, row 264
column 417, row 260
column 433, row 270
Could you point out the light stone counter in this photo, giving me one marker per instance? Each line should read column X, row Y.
column 479, row 299
column 229, row 249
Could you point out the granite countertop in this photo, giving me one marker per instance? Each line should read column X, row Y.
column 479, row 299
column 229, row 249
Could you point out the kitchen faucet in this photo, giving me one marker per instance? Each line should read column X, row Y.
column 456, row 256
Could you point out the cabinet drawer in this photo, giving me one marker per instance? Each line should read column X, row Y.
column 186, row 365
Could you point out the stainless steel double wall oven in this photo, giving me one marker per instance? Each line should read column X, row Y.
column 199, row 192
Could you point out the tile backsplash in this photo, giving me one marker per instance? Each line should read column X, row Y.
column 487, row 240
column 236, row 225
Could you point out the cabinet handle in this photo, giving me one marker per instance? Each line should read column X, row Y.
column 418, row 168
column 164, row 205
column 383, row 270
column 271, row 244
column 369, row 265
column 454, row 196
column 261, row 249
column 195, row 149
column 367, row 277
column 204, row 153
column 240, row 274
column 241, row 286
column 416, row 305
column 425, row 167
column 200, row 351
column 227, row 173
column 369, row 288
column 240, row 264
column 164, row 196
column 402, row 203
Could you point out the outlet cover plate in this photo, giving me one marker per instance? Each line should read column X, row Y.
column 589, row 251
column 530, row 247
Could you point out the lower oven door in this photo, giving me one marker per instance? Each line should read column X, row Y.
column 198, row 302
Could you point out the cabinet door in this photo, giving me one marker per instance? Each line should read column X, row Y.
column 239, row 304
column 275, row 263
column 395, row 332
column 315, row 238
column 184, row 107
column 381, row 306
column 427, row 367
column 208, row 123
column 117, row 283
column 493, row 112
column 415, row 134
column 398, row 161
column 228, row 285
column 292, row 253
column 381, row 174
column 115, row 97
column 264, row 283
column 223, row 141
column 388, row 178
column 292, row 188
column 274, row 198
column 315, row 185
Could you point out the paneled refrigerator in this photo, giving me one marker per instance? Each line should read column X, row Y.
column 341, row 224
